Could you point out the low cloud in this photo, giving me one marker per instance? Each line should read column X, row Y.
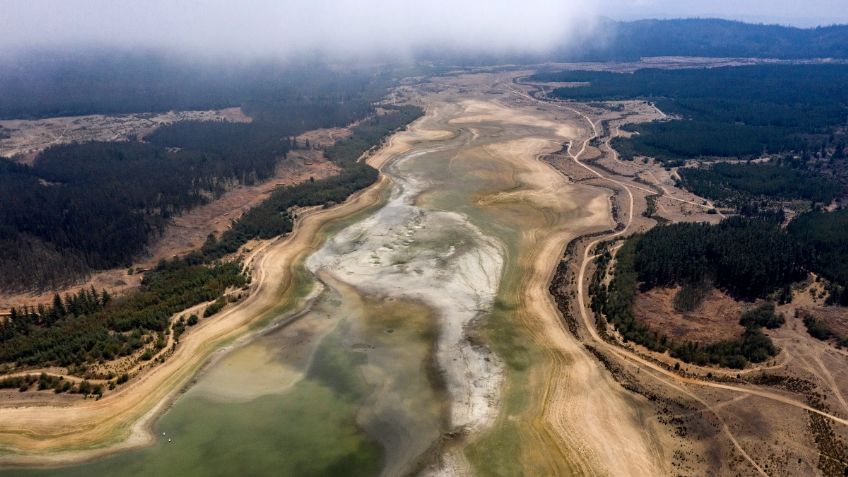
column 342, row 28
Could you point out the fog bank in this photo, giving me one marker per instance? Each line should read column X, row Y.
column 284, row 28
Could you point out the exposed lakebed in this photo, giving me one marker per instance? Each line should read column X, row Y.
column 410, row 348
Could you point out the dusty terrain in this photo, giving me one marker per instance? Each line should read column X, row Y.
column 715, row 319
column 26, row 138
column 323, row 137
column 577, row 418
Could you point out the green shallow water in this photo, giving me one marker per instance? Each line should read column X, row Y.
column 314, row 426
column 310, row 429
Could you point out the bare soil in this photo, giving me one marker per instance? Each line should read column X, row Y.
column 325, row 137
column 715, row 319
column 589, row 405
column 576, row 420
column 29, row 137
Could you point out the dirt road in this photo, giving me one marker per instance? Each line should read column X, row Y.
column 660, row 374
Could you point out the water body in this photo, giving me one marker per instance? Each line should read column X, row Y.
column 393, row 364
column 373, row 375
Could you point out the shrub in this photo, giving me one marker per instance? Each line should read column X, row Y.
column 691, row 295
column 817, row 329
column 215, row 307
column 762, row 316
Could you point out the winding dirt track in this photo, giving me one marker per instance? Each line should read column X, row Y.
column 659, row 373
column 627, row 354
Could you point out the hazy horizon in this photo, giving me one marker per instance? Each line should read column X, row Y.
column 348, row 29
column 802, row 14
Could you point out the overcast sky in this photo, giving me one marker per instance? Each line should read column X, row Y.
column 281, row 27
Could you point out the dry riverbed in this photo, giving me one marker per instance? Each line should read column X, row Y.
column 415, row 332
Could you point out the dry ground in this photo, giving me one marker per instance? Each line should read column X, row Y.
column 577, row 417
column 577, row 420
column 29, row 137
column 715, row 319
column 593, row 407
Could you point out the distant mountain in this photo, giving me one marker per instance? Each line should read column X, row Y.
column 611, row 40
column 710, row 38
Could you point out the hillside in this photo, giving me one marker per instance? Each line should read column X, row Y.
column 712, row 38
